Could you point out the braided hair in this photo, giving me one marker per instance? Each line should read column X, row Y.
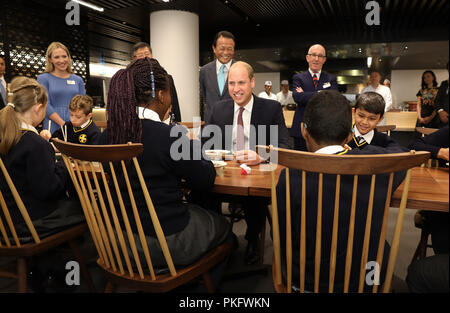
column 137, row 85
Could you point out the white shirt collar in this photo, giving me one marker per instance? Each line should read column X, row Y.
column 219, row 65
column 367, row 137
column 317, row 74
column 247, row 107
column 29, row 127
column 147, row 114
column 85, row 124
column 330, row 149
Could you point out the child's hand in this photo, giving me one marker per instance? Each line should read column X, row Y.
column 46, row 134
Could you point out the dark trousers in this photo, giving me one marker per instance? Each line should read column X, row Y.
column 429, row 275
column 254, row 209
column 300, row 144
column 255, row 216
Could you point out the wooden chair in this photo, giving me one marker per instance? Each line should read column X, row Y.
column 338, row 165
column 11, row 245
column 386, row 128
column 101, row 125
column 112, row 242
column 404, row 121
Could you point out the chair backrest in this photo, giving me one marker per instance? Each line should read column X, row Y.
column 101, row 124
column 288, row 117
column 405, row 121
column 347, row 171
column 113, row 244
column 426, row 131
column 98, row 114
column 7, row 228
column 386, row 128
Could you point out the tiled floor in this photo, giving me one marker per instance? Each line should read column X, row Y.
column 236, row 282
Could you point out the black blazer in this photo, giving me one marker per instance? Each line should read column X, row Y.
column 264, row 113
column 329, row 185
column 174, row 96
column 209, row 87
column 304, row 80
column 379, row 139
column 2, row 103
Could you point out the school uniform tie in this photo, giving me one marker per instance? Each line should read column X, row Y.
column 240, row 131
column 3, row 92
column 315, row 81
column 221, row 78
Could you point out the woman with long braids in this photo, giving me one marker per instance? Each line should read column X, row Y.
column 138, row 99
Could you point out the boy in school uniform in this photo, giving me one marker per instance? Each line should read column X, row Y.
column 367, row 113
column 326, row 128
column 80, row 129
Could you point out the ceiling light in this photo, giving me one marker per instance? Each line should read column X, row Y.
column 89, row 5
column 369, row 61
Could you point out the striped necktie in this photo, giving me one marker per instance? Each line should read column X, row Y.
column 315, row 80
column 240, row 131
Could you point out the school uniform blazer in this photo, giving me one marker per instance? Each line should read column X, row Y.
column 265, row 112
column 210, row 87
column 329, row 184
column 379, row 139
column 174, row 97
column 2, row 103
column 304, row 80
column 163, row 172
column 39, row 180
column 433, row 142
column 89, row 135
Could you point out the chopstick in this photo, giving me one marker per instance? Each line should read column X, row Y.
column 49, row 126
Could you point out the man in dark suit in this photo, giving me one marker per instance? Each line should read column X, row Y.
column 142, row 50
column 306, row 85
column 213, row 76
column 3, row 88
column 250, row 120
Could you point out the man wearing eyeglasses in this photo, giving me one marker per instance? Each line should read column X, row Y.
column 213, row 76
column 306, row 85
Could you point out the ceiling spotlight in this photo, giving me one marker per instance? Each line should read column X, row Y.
column 166, row 0
column 89, row 5
column 406, row 48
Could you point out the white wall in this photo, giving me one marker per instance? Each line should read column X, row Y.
column 261, row 78
column 406, row 83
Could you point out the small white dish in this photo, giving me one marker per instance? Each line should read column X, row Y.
column 218, row 164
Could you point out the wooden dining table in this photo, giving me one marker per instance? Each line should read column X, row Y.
column 428, row 187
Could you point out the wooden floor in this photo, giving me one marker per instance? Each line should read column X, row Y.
column 257, row 283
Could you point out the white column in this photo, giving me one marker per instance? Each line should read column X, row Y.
column 174, row 38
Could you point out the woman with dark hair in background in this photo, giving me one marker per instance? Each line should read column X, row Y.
column 138, row 99
column 426, row 111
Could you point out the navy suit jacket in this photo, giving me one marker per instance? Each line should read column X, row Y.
column 265, row 112
column 304, row 80
column 210, row 87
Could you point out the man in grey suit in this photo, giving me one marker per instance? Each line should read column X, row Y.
column 213, row 76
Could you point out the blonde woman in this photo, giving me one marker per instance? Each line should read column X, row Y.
column 61, row 85
column 30, row 160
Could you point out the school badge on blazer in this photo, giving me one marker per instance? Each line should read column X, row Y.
column 82, row 138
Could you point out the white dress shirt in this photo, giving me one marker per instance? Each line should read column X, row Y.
column 367, row 137
column 29, row 127
column 264, row 95
column 317, row 74
column 330, row 149
column 246, row 117
column 285, row 98
column 147, row 114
